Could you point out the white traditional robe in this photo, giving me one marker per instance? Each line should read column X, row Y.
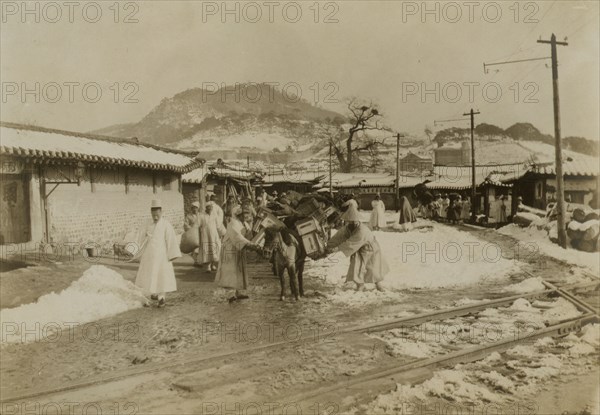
column 232, row 271
column 377, row 214
column 351, row 202
column 217, row 211
column 211, row 230
column 158, row 247
column 366, row 261
column 444, row 210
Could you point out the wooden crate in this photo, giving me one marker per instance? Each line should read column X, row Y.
column 306, row 226
column 313, row 245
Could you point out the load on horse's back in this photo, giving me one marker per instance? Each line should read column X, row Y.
column 285, row 241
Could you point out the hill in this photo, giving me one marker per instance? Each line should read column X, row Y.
column 519, row 132
column 245, row 116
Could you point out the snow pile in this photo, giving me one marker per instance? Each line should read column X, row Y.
column 526, row 286
column 536, row 241
column 494, row 384
column 435, row 257
column 99, row 293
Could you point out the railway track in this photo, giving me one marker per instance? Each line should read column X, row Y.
column 404, row 370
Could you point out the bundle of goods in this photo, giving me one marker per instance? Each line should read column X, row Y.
column 190, row 240
column 264, row 219
column 312, row 235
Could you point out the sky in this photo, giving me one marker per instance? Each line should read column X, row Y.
column 96, row 64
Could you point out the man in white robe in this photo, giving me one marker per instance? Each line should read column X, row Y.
column 355, row 240
column 217, row 211
column 377, row 219
column 158, row 246
column 233, row 270
column 191, row 221
column 211, row 231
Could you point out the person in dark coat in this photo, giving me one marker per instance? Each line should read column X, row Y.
column 407, row 215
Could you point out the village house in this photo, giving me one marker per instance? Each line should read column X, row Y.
column 415, row 163
column 300, row 181
column 221, row 180
column 492, row 183
column 453, row 154
column 61, row 187
column 365, row 186
column 580, row 174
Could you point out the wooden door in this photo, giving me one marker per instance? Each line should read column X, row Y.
column 14, row 209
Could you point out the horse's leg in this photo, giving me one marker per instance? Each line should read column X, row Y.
column 280, row 273
column 291, row 269
column 300, row 273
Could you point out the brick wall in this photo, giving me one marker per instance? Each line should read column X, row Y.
column 103, row 216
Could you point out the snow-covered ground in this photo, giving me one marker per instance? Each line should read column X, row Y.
column 537, row 239
column 99, row 293
column 499, row 383
column 431, row 256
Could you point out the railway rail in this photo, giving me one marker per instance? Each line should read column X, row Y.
column 399, row 372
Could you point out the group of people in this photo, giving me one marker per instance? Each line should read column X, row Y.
column 226, row 237
column 447, row 208
column 377, row 219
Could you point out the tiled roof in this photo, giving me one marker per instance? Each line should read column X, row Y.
column 459, row 177
column 578, row 165
column 196, row 176
column 39, row 143
column 300, row 177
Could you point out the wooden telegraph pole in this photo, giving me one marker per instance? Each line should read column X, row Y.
column 330, row 170
column 473, row 181
column 560, row 195
column 397, row 187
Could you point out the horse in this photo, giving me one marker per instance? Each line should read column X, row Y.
column 284, row 246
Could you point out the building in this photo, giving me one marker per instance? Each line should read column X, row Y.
column 453, row 154
column 580, row 174
column 301, row 181
column 61, row 187
column 365, row 186
column 221, row 180
column 491, row 183
column 415, row 163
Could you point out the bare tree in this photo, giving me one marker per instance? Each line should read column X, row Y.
column 363, row 118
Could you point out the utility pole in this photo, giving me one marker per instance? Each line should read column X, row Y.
column 330, row 170
column 560, row 195
column 397, row 187
column 473, row 182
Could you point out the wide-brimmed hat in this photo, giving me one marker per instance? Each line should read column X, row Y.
column 275, row 192
column 156, row 203
column 351, row 215
column 197, row 204
column 237, row 210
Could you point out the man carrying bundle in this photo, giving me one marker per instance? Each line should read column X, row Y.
column 191, row 221
column 211, row 231
column 356, row 241
column 158, row 246
column 233, row 270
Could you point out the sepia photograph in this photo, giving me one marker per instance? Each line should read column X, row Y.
column 310, row 207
